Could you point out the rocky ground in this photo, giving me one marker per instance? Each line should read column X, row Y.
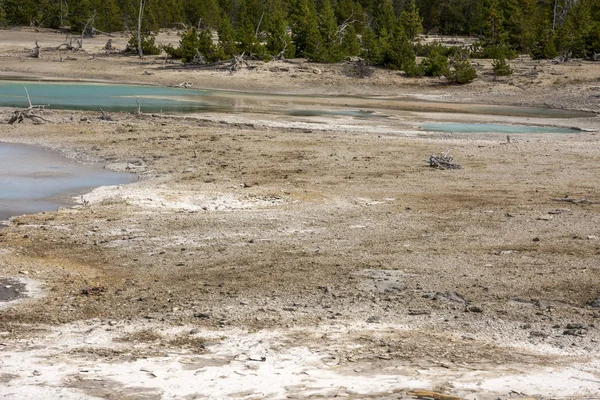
column 270, row 256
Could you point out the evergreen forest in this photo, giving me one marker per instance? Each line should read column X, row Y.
column 383, row 32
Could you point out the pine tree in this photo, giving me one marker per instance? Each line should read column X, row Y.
column 278, row 40
column 572, row 36
column 411, row 21
column 305, row 28
column 528, row 8
column 314, row 42
column 371, row 47
column 501, row 67
column 399, row 53
column 350, row 44
column 3, row 20
column 128, row 14
column 543, row 46
column 227, row 38
column 167, row 12
column 206, row 13
column 206, row 47
column 461, row 70
column 188, row 45
column 246, row 39
column 494, row 33
column 513, row 23
column 435, row 64
column 80, row 11
column 430, row 11
column 451, row 17
column 328, row 32
column 107, row 15
column 350, row 12
column 384, row 17
column 248, row 30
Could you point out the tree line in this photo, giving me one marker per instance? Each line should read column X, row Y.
column 380, row 31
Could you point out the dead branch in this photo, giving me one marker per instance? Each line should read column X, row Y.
column 89, row 22
column 258, row 26
column 28, row 113
column 184, row 85
column 443, row 161
column 35, row 24
column 37, row 51
column 68, row 44
column 185, row 27
column 349, row 21
column 576, row 201
column 198, row 58
column 139, row 107
column 427, row 394
column 21, row 115
column 102, row 33
column 237, row 63
column 281, row 55
column 28, row 99
column 105, row 116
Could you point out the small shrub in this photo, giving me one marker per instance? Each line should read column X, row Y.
column 435, row 64
column 149, row 46
column 501, row 67
column 173, row 52
column 460, row 72
column 196, row 46
column 483, row 49
column 413, row 70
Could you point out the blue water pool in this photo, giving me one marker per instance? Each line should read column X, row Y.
column 494, row 128
column 34, row 180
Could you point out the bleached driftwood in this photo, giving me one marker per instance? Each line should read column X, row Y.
column 28, row 113
column 443, row 161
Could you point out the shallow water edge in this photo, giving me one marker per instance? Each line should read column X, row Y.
column 33, row 179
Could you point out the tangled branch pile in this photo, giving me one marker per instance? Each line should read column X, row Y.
column 28, row 113
column 443, row 161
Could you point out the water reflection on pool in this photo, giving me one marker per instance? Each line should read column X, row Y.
column 34, row 180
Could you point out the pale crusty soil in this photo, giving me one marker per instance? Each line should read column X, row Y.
column 314, row 240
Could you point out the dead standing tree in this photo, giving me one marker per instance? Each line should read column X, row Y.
column 74, row 43
column 139, row 30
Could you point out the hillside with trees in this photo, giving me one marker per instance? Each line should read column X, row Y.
column 383, row 32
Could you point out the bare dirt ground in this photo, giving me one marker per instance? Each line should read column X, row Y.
column 270, row 256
